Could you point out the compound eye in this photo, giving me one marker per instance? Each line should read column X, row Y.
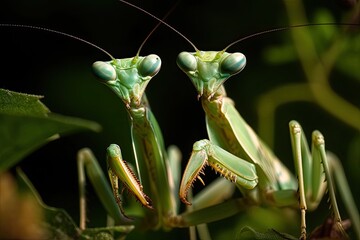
column 186, row 61
column 104, row 71
column 233, row 63
column 150, row 65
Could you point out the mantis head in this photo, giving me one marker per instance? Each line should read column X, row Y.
column 209, row 70
column 128, row 77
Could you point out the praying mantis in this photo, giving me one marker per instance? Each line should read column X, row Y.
column 151, row 99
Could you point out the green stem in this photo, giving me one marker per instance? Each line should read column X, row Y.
column 317, row 71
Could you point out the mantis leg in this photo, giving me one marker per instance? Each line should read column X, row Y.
column 237, row 170
column 86, row 160
column 343, row 187
column 120, row 171
column 174, row 171
column 233, row 168
column 312, row 186
column 213, row 213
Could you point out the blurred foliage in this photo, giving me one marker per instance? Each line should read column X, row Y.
column 249, row 233
column 318, row 51
column 326, row 231
column 23, row 215
column 20, row 215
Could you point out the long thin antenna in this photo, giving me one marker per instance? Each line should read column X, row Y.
column 163, row 22
column 286, row 28
column 57, row 32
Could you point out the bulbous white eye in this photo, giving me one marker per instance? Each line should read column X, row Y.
column 104, row 71
column 150, row 65
column 186, row 61
column 233, row 63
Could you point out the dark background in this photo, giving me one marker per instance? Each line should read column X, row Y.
column 59, row 68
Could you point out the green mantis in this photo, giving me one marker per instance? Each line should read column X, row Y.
column 269, row 182
column 128, row 79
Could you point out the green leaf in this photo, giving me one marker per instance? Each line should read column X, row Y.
column 105, row 233
column 58, row 223
column 21, row 104
column 27, row 124
column 249, row 233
